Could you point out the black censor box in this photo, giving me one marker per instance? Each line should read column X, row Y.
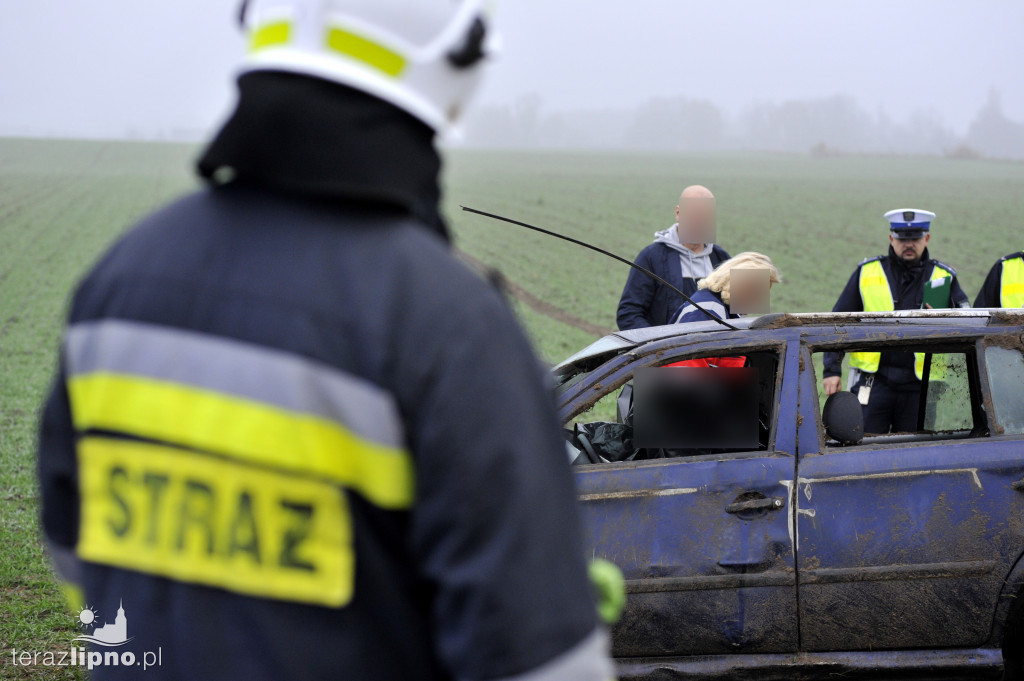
column 695, row 407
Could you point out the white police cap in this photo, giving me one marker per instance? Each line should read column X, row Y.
column 909, row 223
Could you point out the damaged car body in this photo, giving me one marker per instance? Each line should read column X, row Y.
column 811, row 555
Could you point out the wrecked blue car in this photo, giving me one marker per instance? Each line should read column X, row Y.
column 813, row 552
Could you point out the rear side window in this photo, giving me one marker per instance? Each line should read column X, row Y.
column 951, row 402
column 1006, row 378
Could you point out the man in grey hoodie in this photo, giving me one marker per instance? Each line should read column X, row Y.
column 681, row 254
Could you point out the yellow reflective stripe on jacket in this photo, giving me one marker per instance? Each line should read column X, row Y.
column 242, row 400
column 244, row 430
column 876, row 297
column 1011, row 292
column 201, row 519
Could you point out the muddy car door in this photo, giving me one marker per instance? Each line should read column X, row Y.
column 702, row 540
column 905, row 540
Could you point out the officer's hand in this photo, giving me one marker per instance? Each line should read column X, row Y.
column 928, row 306
column 831, row 384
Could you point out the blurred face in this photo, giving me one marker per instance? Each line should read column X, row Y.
column 696, row 218
column 748, row 290
column 909, row 250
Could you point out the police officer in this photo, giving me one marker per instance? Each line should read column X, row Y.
column 290, row 430
column 888, row 384
column 1004, row 285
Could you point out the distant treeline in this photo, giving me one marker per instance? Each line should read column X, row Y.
column 832, row 125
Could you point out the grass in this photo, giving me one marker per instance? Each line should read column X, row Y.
column 62, row 203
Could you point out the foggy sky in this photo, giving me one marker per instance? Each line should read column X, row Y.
column 111, row 67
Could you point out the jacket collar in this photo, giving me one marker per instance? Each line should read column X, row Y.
column 316, row 139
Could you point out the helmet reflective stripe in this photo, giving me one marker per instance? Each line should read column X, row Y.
column 366, row 51
column 419, row 55
column 1012, row 288
column 340, row 40
column 877, row 297
column 268, row 35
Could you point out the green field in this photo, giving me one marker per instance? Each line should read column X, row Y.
column 61, row 203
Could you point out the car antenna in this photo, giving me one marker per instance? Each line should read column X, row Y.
column 603, row 252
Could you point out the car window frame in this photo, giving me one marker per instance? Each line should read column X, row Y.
column 969, row 345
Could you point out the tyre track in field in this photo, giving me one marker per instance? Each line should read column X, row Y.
column 533, row 302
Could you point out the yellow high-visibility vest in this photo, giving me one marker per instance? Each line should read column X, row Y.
column 877, row 297
column 1011, row 292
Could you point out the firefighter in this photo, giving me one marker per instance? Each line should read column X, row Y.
column 680, row 255
column 289, row 429
column 1004, row 285
column 888, row 384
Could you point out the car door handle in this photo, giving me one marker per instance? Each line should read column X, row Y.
column 766, row 504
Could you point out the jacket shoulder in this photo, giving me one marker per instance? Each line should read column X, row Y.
column 945, row 266
column 865, row 261
column 1012, row 256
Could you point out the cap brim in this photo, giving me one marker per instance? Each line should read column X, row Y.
column 908, row 234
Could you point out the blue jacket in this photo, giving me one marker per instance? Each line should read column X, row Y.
column 710, row 301
column 646, row 302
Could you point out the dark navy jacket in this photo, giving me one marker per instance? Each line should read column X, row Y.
column 476, row 572
column 708, row 300
column 906, row 283
column 647, row 302
column 991, row 294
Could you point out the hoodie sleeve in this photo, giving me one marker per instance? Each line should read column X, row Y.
column 637, row 296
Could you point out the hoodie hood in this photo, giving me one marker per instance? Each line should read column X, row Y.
column 694, row 265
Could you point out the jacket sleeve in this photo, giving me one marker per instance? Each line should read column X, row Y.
column 989, row 295
column 957, row 297
column 637, row 296
column 849, row 301
column 495, row 529
column 58, row 485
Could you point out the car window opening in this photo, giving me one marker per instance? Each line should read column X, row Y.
column 607, row 432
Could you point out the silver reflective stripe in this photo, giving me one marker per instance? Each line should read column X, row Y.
column 715, row 307
column 587, row 661
column 243, row 370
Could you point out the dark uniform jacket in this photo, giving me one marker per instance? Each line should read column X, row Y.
column 296, row 438
column 646, row 301
column 906, row 284
column 990, row 294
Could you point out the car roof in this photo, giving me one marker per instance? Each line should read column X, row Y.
column 621, row 341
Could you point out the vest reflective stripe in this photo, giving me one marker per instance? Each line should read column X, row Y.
column 877, row 297
column 1011, row 292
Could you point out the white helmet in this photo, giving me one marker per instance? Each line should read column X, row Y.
column 423, row 56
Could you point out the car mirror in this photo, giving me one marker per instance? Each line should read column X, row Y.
column 843, row 418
